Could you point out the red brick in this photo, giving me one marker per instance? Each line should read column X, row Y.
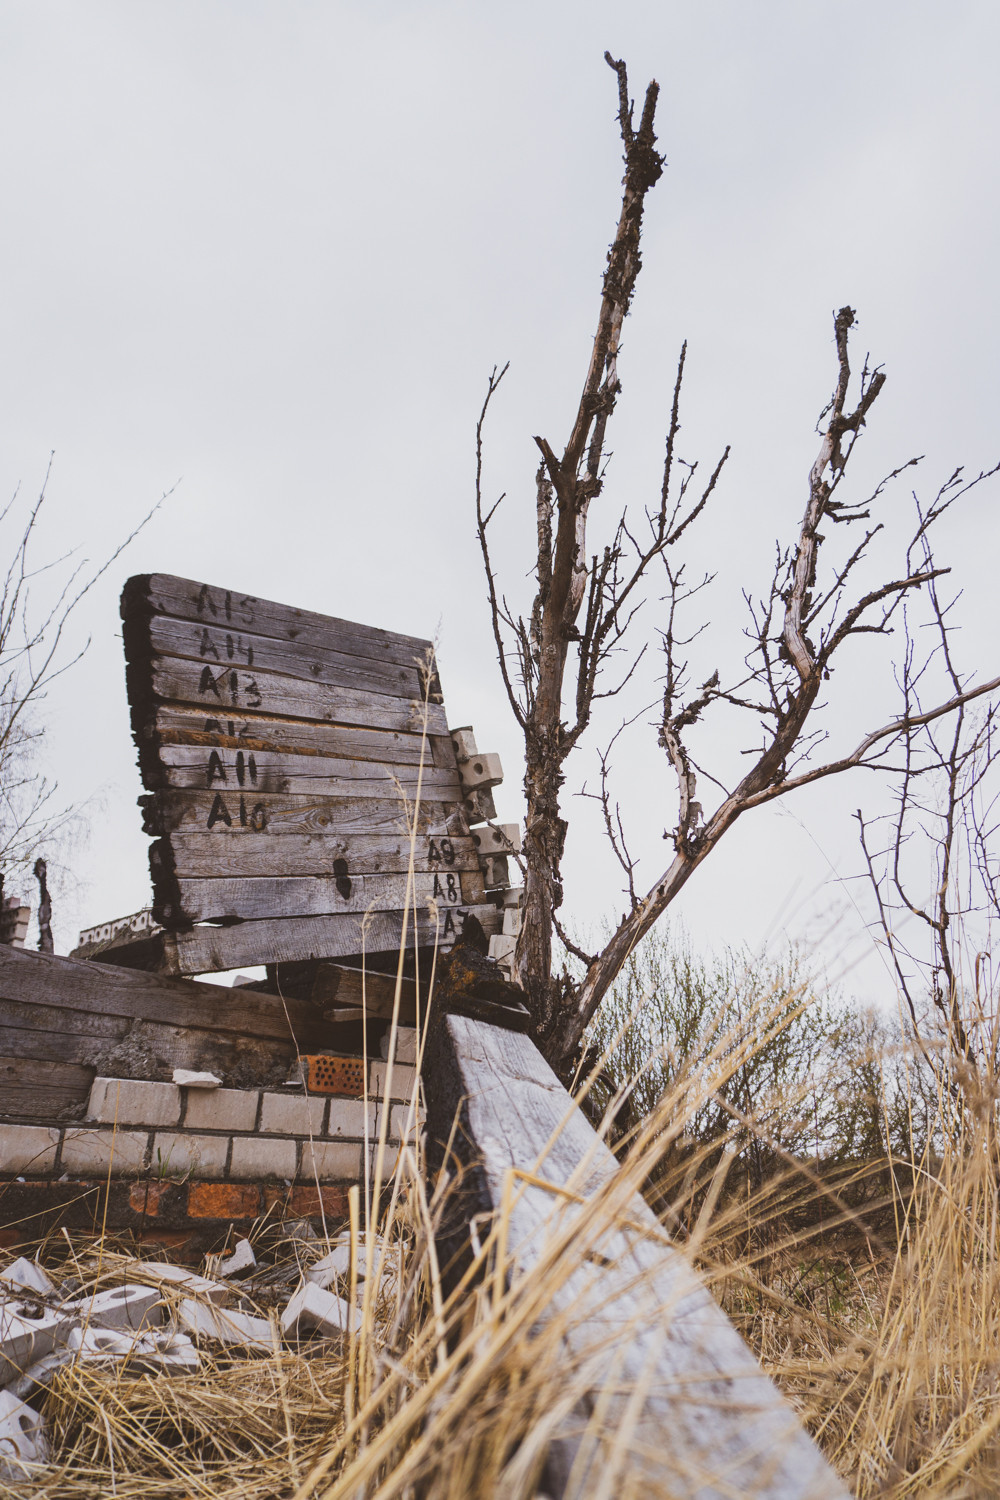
column 10, row 1237
column 223, row 1200
column 305, row 1202
column 145, row 1197
column 170, row 1239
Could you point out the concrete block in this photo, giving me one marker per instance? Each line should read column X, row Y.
column 167, row 1353
column 240, row 1262
column 162, row 1273
column 27, row 1334
column 314, row 1310
column 135, row 1307
column 204, row 1321
column 177, row 1154
column 348, row 1118
column 496, row 871
column 27, row 1148
column 464, row 743
column 480, row 770
column 88, row 1153
column 286, row 1114
column 23, row 1442
column 403, row 1082
column 331, row 1161
column 254, row 1156
column 337, row 1264
column 133, row 1101
column 221, row 1109
column 501, row 838
column 406, row 1045
column 26, row 1275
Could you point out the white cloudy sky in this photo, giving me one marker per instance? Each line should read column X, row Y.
column 270, row 252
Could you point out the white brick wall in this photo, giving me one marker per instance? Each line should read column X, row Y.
column 403, row 1080
column 292, row 1114
column 27, row 1148
column 254, row 1156
column 330, row 1160
column 176, row 1154
column 347, row 1118
column 101, row 1151
column 132, row 1101
column 221, row 1109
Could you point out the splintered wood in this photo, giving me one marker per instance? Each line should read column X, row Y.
column 295, row 765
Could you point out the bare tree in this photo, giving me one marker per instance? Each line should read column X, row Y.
column 554, row 660
column 37, row 645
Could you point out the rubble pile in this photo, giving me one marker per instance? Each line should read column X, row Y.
column 152, row 1318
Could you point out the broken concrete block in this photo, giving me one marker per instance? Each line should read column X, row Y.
column 480, row 770
column 38, row 1377
column 134, row 1307
column 500, row 838
column 182, row 1277
column 166, row 1353
column 28, row 1333
column 228, row 1326
column 186, row 1079
column 23, row 1442
column 464, row 743
column 314, row 1310
column 338, row 1263
column 240, row 1262
column 27, row 1275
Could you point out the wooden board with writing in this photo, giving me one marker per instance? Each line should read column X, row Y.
column 302, row 786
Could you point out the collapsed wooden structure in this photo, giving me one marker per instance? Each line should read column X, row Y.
column 313, row 813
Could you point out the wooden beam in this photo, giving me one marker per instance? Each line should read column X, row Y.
column 207, row 950
column 707, row 1422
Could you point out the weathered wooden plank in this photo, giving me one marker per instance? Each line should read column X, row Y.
column 258, row 771
column 43, row 980
column 176, row 811
column 188, row 600
column 632, row 1314
column 27, row 1090
column 232, row 690
column 218, row 647
column 319, row 895
column 192, row 726
column 226, row 853
column 205, row 950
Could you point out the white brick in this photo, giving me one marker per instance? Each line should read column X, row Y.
column 291, row 1114
column 162, row 1273
column 118, row 1307
column 399, row 1129
column 101, row 1151
column 176, row 1154
column 390, row 1157
column 27, row 1148
column 313, row 1308
column 403, row 1080
column 406, row 1044
column 253, row 1156
column 132, row 1101
column 221, row 1109
column 331, row 1161
column 348, row 1116
column 230, row 1327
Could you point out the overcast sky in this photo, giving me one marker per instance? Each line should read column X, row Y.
column 270, row 252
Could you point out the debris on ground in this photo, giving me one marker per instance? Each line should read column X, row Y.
column 102, row 1313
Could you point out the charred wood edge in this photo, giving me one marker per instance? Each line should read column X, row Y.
column 468, row 1198
column 136, row 613
column 708, row 1408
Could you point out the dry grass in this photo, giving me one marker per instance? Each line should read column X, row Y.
column 886, row 1341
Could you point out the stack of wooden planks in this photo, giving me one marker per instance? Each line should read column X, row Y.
column 303, row 786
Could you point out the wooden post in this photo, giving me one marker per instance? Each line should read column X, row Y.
column 709, row 1423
